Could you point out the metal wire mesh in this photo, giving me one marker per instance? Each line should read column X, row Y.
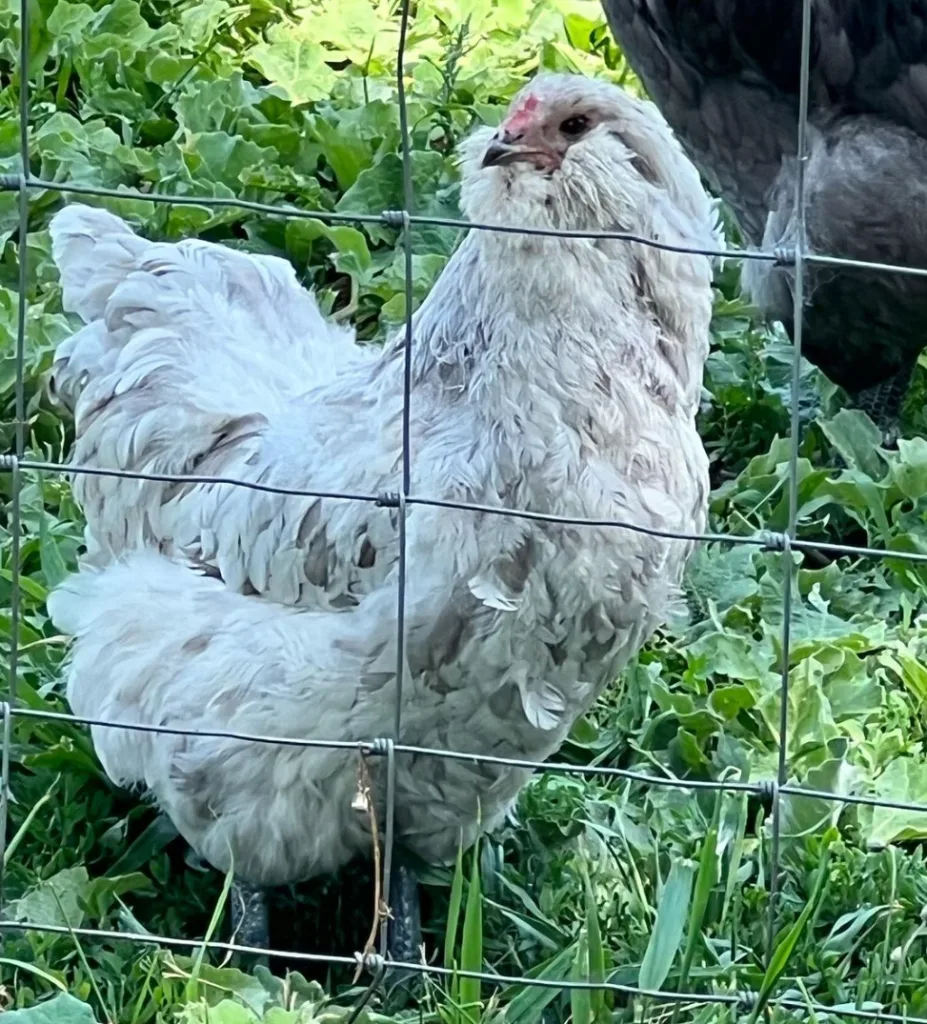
column 787, row 542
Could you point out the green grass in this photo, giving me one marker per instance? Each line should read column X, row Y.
column 599, row 877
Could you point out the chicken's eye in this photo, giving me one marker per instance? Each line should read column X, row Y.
column 574, row 126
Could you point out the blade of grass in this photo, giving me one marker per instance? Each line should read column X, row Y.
column 737, row 853
column 471, row 946
column 23, row 829
column 193, row 988
column 453, row 910
column 786, row 947
column 666, row 936
column 91, row 977
column 528, row 1003
column 32, row 969
column 704, row 883
column 595, row 949
column 892, row 900
column 146, row 847
column 145, row 989
column 901, row 963
column 580, row 998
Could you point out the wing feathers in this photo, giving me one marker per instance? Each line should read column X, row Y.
column 196, row 359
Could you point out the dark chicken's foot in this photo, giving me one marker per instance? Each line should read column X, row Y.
column 891, row 432
column 249, row 915
column 404, row 937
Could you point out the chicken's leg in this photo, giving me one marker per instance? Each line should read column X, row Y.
column 404, row 936
column 883, row 403
column 249, row 915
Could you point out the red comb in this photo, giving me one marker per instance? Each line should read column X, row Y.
column 522, row 115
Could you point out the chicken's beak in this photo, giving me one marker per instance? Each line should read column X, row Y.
column 504, row 150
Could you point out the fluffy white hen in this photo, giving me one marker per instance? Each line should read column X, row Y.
column 558, row 375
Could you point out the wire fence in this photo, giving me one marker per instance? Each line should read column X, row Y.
column 389, row 746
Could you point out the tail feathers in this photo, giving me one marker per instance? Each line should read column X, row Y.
column 94, row 251
column 221, row 312
column 191, row 355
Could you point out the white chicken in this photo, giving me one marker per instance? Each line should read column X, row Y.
column 551, row 374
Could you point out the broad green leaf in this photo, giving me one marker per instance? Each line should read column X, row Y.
column 102, row 893
column 857, row 439
column 375, row 189
column 60, row 1009
column 300, row 234
column 221, row 105
column 69, row 21
column 295, row 65
column 119, row 30
column 905, row 781
column 803, row 816
column 724, row 577
column 53, row 565
column 347, row 153
column 729, row 701
column 57, row 900
column 220, row 157
column 200, row 23
column 909, row 472
column 229, row 1012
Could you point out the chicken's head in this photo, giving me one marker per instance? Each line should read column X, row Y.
column 578, row 154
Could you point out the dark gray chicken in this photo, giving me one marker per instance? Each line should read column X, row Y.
column 725, row 74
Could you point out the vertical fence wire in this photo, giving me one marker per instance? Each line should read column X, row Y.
column 5, row 741
column 389, row 843
column 15, row 521
column 788, row 556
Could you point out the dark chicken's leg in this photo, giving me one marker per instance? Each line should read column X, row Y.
column 249, row 915
column 883, row 404
column 404, row 936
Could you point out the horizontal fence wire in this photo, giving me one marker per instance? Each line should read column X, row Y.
column 782, row 256
column 406, row 221
column 771, row 540
column 744, row 999
column 379, row 746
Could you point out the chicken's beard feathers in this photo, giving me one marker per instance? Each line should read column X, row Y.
column 590, row 191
